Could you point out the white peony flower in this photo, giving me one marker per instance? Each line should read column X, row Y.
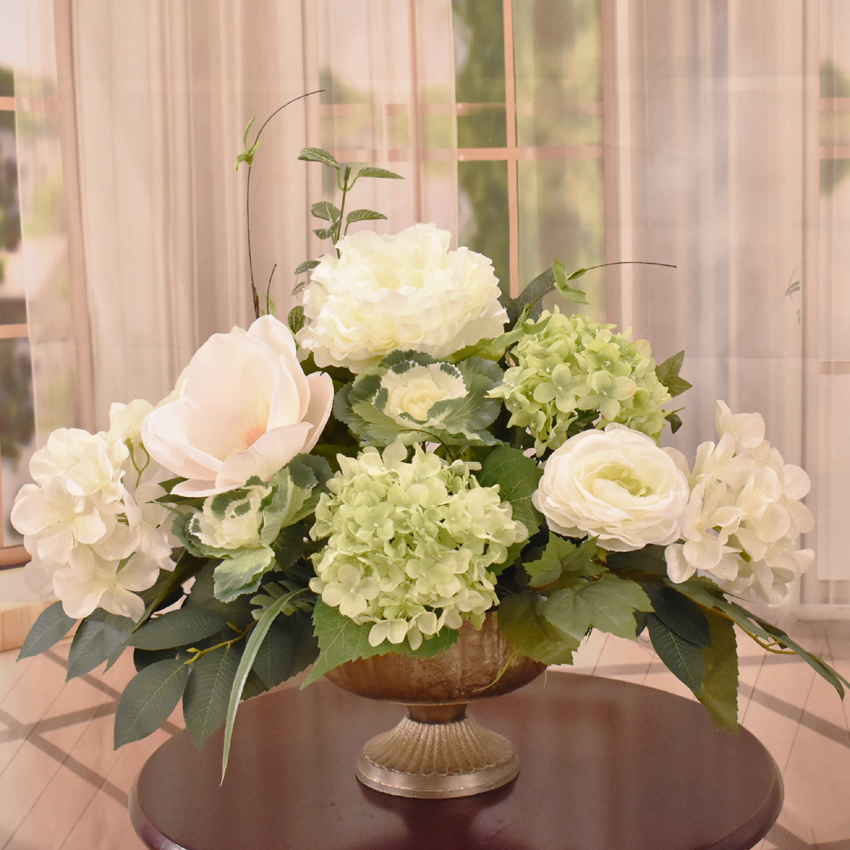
column 247, row 409
column 615, row 484
column 403, row 292
column 744, row 514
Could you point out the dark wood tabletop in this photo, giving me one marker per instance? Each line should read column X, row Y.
column 605, row 765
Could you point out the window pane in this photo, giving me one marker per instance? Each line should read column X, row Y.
column 17, row 424
column 558, row 68
column 480, row 73
column 12, row 304
column 483, row 201
column 562, row 217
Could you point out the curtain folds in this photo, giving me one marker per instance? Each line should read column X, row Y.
column 162, row 94
column 714, row 143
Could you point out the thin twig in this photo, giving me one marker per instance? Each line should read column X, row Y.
column 254, row 294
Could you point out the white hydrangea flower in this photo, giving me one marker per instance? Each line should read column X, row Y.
column 88, row 464
column 91, row 524
column 402, row 292
column 744, row 514
column 90, row 581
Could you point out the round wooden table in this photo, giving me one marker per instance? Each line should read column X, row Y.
column 605, row 765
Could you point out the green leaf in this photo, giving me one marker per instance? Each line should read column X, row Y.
column 274, row 657
column 247, row 154
column 208, row 691
column 202, row 595
column 681, row 614
column 148, row 700
column 821, row 667
column 719, row 692
column 650, row 560
column 341, row 640
column 560, row 274
column 532, row 294
column 306, row 266
column 668, row 373
column 522, row 622
column 517, row 477
column 326, row 211
column 242, row 573
column 145, row 657
column 178, row 628
column 170, row 583
column 683, row 658
column 50, row 627
column 607, row 603
column 363, row 215
column 675, row 421
column 318, row 155
column 252, row 646
column 100, row 637
column 562, row 556
column 433, row 645
column 370, row 171
column 325, row 233
column 295, row 320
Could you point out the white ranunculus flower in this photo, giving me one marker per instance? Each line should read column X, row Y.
column 403, row 292
column 415, row 391
column 246, row 409
column 615, row 484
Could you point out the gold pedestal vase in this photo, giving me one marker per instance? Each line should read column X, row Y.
column 439, row 750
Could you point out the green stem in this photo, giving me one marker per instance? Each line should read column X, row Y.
column 602, row 266
column 254, row 294
column 241, row 633
column 345, row 190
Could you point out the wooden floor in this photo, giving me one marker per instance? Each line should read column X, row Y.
column 63, row 786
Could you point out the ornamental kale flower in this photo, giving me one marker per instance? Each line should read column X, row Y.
column 571, row 373
column 410, row 543
column 744, row 515
column 414, row 398
column 394, row 293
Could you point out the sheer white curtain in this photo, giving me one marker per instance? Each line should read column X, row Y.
column 162, row 92
column 713, row 142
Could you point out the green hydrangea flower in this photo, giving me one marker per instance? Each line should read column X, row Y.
column 409, row 543
column 571, row 372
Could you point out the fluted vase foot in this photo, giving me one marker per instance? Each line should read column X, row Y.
column 437, row 751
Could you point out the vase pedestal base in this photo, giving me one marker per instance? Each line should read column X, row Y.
column 437, row 751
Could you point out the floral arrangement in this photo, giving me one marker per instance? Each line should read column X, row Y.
column 410, row 451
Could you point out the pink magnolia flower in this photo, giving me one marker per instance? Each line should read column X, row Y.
column 246, row 409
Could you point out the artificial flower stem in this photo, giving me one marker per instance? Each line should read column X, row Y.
column 254, row 294
column 574, row 275
column 241, row 633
